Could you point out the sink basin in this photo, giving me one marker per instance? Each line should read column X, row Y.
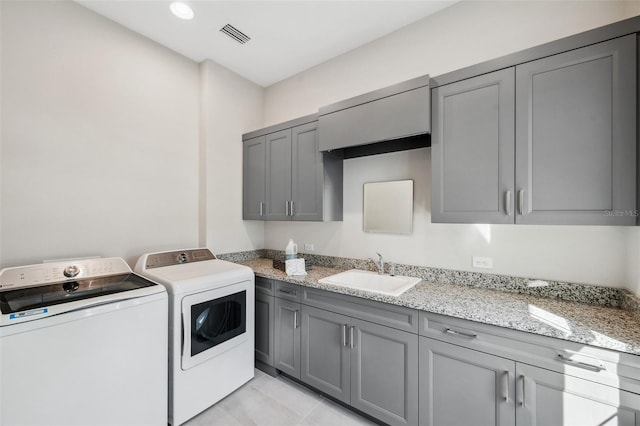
column 372, row 281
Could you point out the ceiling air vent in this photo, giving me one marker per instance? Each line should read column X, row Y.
column 235, row 34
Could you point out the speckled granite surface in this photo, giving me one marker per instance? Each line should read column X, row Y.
column 583, row 293
column 602, row 326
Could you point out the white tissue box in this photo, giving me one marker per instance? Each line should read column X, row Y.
column 295, row 267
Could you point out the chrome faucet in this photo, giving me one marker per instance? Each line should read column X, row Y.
column 380, row 264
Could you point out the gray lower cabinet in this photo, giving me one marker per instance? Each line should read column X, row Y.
column 550, row 398
column 460, row 386
column 287, row 337
column 550, row 141
column 265, row 321
column 384, row 383
column 325, row 352
column 369, row 366
column 254, row 156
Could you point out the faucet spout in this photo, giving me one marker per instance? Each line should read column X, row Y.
column 380, row 264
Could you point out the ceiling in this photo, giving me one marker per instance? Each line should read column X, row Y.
column 286, row 36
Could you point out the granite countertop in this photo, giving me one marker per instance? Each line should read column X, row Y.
column 605, row 327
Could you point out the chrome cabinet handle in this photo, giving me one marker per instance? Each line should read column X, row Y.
column 295, row 319
column 505, row 386
column 585, row 365
column 292, row 292
column 521, row 202
column 460, row 333
column 344, row 335
column 507, row 202
column 261, row 208
column 286, row 208
column 351, row 339
column 522, row 400
column 291, row 207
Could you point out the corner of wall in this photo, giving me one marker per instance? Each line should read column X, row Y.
column 230, row 105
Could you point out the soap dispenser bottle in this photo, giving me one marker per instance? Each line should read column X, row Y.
column 291, row 251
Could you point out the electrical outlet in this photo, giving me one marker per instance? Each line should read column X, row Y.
column 482, row 262
column 309, row 247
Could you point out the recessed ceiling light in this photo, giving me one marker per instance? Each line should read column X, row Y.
column 181, row 10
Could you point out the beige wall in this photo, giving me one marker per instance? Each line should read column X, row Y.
column 464, row 34
column 103, row 148
column 231, row 106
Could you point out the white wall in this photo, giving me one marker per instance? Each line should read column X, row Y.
column 99, row 138
column 462, row 35
column 230, row 106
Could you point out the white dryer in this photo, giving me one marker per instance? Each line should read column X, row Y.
column 211, row 326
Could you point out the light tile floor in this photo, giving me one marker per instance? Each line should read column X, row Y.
column 269, row 401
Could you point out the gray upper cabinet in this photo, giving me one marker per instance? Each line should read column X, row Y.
column 472, row 150
column 393, row 112
column 308, row 174
column 253, row 173
column 576, row 136
column 278, row 175
column 550, row 141
column 300, row 182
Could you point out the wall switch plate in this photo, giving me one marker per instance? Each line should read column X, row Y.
column 309, row 247
column 482, row 262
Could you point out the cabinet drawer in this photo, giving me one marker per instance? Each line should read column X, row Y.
column 288, row 291
column 264, row 286
column 393, row 316
column 591, row 363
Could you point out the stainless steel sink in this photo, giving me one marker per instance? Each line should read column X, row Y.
column 372, row 281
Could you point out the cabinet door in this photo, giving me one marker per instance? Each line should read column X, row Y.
column 325, row 352
column 460, row 386
column 549, row 398
column 253, row 178
column 382, row 116
column 265, row 318
column 307, row 171
column 287, row 337
column 576, row 136
column 278, row 175
column 472, row 150
column 384, row 363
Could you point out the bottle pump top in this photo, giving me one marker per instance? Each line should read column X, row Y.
column 291, row 251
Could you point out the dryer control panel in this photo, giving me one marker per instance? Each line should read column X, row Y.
column 168, row 258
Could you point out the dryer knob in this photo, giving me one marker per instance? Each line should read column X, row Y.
column 71, row 271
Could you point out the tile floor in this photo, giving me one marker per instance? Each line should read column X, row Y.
column 269, row 401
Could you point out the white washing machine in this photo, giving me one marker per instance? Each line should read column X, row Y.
column 211, row 327
column 82, row 343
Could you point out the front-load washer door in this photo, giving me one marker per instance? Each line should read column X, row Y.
column 213, row 322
